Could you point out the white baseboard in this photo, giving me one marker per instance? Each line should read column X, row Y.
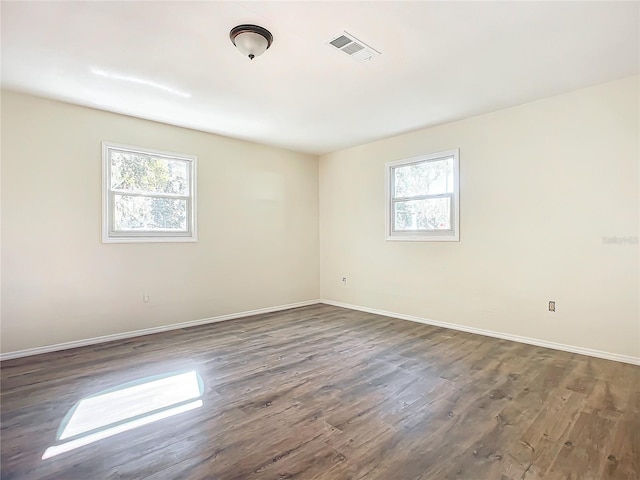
column 148, row 331
column 221, row 318
column 489, row 333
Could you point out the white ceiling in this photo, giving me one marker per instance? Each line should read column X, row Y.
column 173, row 62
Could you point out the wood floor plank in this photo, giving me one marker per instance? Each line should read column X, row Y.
column 325, row 393
column 584, row 454
column 623, row 460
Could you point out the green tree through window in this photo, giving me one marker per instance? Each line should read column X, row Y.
column 149, row 194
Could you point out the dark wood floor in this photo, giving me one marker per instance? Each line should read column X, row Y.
column 322, row 392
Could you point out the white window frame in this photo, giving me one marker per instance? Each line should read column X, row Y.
column 111, row 236
column 452, row 235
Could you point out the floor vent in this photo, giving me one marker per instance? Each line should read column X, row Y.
column 353, row 47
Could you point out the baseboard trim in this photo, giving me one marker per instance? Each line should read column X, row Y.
column 490, row 333
column 221, row 318
column 149, row 331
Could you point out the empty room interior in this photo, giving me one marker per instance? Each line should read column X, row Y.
column 320, row 240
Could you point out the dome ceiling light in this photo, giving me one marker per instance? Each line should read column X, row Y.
column 251, row 40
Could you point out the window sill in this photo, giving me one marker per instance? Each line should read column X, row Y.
column 423, row 238
column 192, row 239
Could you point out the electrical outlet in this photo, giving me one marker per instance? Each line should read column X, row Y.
column 344, row 281
column 552, row 306
column 145, row 297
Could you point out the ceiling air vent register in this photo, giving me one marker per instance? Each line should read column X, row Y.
column 353, row 47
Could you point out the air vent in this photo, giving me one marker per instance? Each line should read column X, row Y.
column 353, row 47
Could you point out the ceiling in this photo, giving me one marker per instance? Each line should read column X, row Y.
column 173, row 62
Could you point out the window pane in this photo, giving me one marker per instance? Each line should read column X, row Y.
column 142, row 173
column 424, row 178
column 428, row 214
column 149, row 214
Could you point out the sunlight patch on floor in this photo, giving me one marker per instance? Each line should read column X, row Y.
column 126, row 407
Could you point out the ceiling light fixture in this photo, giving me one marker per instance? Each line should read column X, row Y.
column 251, row 40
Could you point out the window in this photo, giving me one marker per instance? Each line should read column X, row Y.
column 148, row 196
column 423, row 198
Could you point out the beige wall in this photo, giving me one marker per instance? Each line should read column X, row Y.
column 541, row 185
column 258, row 229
